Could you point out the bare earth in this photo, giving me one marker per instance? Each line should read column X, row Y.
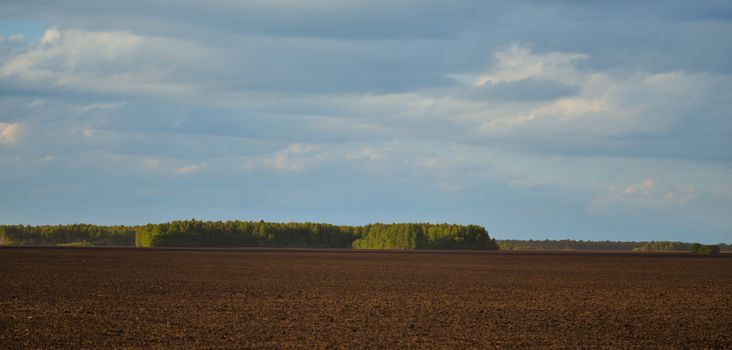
column 101, row 298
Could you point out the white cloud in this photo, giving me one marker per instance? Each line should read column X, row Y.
column 282, row 161
column 9, row 133
column 51, row 36
column 565, row 109
column 519, row 63
column 189, row 169
column 655, row 190
column 112, row 62
column 296, row 157
column 299, row 148
column 603, row 105
column 646, row 193
column 621, row 103
column 643, row 188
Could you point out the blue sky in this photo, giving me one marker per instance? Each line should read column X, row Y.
column 535, row 119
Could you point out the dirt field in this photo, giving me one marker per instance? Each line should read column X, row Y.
column 101, row 298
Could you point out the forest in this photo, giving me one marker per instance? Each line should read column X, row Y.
column 196, row 233
column 314, row 235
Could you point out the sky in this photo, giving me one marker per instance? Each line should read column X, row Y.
column 535, row 119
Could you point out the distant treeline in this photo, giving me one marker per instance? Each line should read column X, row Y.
column 195, row 233
column 564, row 244
column 67, row 234
column 267, row 234
column 569, row 244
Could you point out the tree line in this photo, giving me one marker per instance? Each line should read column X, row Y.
column 196, row 233
column 316, row 235
column 569, row 244
column 564, row 244
column 67, row 234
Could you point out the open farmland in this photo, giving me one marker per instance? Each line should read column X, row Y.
column 124, row 297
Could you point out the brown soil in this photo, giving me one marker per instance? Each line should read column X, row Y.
column 102, row 298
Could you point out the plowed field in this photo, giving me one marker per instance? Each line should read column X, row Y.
column 112, row 298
